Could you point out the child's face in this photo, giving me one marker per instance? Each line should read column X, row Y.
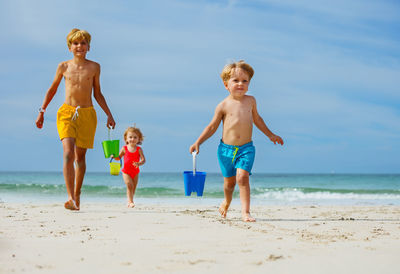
column 79, row 47
column 132, row 138
column 239, row 82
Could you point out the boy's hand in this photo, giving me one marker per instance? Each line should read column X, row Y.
column 276, row 139
column 39, row 120
column 110, row 122
column 194, row 147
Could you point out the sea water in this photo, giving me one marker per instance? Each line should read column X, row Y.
column 168, row 188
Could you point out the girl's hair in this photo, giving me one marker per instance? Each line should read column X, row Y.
column 228, row 69
column 77, row 34
column 135, row 130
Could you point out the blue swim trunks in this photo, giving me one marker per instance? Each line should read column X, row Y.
column 232, row 157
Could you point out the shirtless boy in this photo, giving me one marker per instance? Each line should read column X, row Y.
column 76, row 118
column 236, row 152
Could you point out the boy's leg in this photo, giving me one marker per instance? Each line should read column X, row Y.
column 80, row 170
column 129, row 189
column 242, row 177
column 229, row 187
column 69, row 172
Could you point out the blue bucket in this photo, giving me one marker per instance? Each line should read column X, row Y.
column 194, row 182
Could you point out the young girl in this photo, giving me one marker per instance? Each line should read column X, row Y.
column 133, row 158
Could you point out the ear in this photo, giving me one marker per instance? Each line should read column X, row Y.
column 226, row 84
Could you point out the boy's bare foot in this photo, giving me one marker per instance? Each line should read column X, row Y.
column 223, row 209
column 247, row 218
column 78, row 201
column 131, row 205
column 70, row 204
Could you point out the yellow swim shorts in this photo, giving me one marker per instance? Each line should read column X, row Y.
column 79, row 123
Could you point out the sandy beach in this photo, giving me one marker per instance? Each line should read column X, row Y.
column 109, row 238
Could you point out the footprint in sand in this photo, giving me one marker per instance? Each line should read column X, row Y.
column 273, row 257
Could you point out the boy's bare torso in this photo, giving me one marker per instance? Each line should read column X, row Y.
column 237, row 117
column 79, row 82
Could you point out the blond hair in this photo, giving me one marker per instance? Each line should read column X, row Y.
column 229, row 68
column 77, row 34
column 135, row 130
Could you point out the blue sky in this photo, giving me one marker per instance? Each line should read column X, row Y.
column 327, row 78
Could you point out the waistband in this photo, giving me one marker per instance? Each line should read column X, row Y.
column 236, row 147
column 77, row 107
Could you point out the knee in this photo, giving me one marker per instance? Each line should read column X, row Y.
column 230, row 185
column 80, row 161
column 69, row 156
column 242, row 179
column 129, row 185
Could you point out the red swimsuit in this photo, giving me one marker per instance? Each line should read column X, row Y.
column 129, row 158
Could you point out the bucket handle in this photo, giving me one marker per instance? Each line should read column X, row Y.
column 120, row 160
column 109, row 133
column 194, row 153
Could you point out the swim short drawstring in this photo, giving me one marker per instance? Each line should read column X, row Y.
column 76, row 114
column 234, row 153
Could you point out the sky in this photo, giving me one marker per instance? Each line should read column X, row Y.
column 327, row 78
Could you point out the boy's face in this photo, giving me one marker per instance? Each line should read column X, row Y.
column 79, row 47
column 239, row 82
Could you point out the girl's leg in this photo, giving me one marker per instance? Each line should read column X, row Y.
column 135, row 183
column 129, row 188
column 69, row 171
column 242, row 177
column 229, row 187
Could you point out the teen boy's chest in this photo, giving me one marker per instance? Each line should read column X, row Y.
column 79, row 76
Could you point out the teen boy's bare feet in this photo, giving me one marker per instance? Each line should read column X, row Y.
column 223, row 209
column 247, row 218
column 70, row 204
column 78, row 201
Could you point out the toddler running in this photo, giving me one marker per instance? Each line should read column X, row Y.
column 236, row 151
column 133, row 158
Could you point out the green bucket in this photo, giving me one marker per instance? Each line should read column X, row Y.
column 110, row 147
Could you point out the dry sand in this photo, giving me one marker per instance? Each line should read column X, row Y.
column 110, row 238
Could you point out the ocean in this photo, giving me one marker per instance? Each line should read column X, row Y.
column 168, row 188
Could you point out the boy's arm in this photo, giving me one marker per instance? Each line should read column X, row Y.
column 50, row 93
column 209, row 130
column 260, row 124
column 100, row 98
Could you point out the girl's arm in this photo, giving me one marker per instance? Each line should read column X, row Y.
column 121, row 154
column 209, row 130
column 142, row 158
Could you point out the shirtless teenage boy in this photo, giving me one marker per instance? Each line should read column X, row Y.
column 76, row 118
column 236, row 152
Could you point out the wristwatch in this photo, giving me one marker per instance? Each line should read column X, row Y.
column 42, row 110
